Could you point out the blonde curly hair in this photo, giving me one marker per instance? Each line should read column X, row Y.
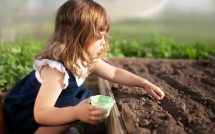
column 78, row 24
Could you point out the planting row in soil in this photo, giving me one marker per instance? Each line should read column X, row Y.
column 189, row 104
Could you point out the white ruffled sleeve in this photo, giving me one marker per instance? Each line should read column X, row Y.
column 38, row 64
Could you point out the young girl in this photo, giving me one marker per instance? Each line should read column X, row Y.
column 50, row 98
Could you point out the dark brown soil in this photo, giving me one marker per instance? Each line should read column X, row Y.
column 189, row 104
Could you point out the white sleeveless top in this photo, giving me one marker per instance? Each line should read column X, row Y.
column 38, row 64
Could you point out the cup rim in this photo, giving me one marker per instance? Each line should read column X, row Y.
column 95, row 96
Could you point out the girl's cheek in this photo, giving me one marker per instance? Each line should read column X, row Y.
column 98, row 47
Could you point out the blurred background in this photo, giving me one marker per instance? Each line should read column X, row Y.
column 176, row 29
column 181, row 20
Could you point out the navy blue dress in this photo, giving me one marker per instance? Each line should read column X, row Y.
column 19, row 102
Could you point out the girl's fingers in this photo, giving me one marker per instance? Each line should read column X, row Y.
column 97, row 118
column 94, row 118
column 156, row 96
column 98, row 112
column 93, row 122
column 92, row 108
column 156, row 92
column 160, row 93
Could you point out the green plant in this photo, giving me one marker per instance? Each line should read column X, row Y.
column 161, row 47
column 16, row 60
column 17, row 57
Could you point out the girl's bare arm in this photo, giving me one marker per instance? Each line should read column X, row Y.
column 44, row 111
column 124, row 77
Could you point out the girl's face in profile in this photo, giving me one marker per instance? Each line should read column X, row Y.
column 96, row 48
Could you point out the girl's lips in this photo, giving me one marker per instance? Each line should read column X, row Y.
column 99, row 52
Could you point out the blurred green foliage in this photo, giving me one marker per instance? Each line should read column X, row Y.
column 161, row 47
column 17, row 57
column 16, row 60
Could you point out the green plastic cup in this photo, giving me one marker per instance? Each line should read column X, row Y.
column 104, row 101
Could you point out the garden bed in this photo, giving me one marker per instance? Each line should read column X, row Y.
column 189, row 104
column 188, row 107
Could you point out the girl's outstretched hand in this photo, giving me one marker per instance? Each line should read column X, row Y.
column 154, row 91
column 90, row 114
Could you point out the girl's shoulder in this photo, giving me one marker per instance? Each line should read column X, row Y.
column 55, row 66
column 38, row 64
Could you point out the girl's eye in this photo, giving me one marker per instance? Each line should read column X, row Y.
column 100, row 35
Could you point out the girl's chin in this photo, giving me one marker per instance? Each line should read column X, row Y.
column 94, row 57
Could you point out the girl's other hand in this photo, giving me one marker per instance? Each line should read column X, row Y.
column 90, row 114
column 154, row 91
